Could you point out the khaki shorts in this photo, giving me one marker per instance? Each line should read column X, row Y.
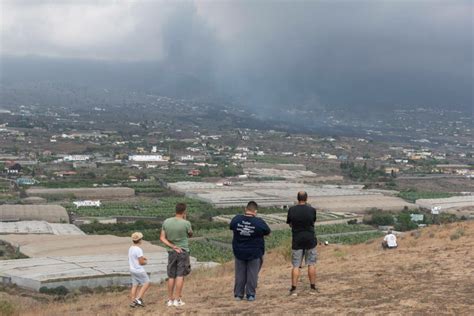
column 310, row 257
column 178, row 264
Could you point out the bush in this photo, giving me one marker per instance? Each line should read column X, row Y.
column 86, row 290
column 445, row 218
column 58, row 291
column 7, row 308
column 404, row 222
column 457, row 234
column 380, row 219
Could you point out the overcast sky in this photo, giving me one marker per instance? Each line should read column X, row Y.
column 305, row 47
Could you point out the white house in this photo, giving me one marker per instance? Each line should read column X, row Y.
column 186, row 158
column 145, row 158
column 95, row 203
column 76, row 157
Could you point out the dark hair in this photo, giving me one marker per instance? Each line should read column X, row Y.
column 137, row 241
column 252, row 206
column 180, row 208
column 302, row 196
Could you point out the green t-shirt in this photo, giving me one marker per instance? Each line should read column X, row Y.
column 176, row 231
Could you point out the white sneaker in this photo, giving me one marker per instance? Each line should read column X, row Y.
column 170, row 303
column 178, row 303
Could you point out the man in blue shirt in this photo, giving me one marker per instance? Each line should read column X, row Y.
column 248, row 245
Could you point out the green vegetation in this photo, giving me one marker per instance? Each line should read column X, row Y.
column 8, row 252
column 362, row 173
column 404, row 222
column 412, row 195
column 380, row 218
column 213, row 246
column 146, row 187
column 457, row 234
column 206, row 251
column 273, row 159
column 354, row 239
column 151, row 230
column 161, row 208
column 7, row 308
column 341, row 228
column 176, row 175
column 57, row 291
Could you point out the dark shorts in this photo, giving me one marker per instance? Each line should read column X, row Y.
column 310, row 257
column 179, row 264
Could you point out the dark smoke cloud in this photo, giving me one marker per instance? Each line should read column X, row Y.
column 298, row 54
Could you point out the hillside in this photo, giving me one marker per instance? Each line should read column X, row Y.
column 432, row 272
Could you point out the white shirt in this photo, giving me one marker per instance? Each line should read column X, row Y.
column 134, row 253
column 391, row 240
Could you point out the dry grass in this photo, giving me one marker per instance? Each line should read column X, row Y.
column 429, row 275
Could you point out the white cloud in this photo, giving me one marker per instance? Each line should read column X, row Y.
column 83, row 29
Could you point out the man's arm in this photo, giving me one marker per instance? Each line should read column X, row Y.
column 265, row 228
column 232, row 223
column 168, row 243
column 288, row 218
column 190, row 231
column 142, row 260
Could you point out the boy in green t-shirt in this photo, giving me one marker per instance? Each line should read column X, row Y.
column 174, row 234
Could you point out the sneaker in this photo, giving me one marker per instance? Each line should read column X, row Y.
column 238, row 298
column 133, row 304
column 139, row 302
column 251, row 298
column 170, row 303
column 314, row 290
column 178, row 303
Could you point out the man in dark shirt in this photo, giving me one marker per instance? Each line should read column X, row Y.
column 248, row 245
column 301, row 219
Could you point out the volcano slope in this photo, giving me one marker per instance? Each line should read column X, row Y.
column 431, row 272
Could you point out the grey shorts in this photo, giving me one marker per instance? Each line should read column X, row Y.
column 179, row 264
column 310, row 257
column 139, row 278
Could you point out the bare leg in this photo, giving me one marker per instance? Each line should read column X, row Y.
column 179, row 286
column 143, row 290
column 133, row 292
column 171, row 288
column 312, row 274
column 295, row 274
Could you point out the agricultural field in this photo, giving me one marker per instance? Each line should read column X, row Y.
column 277, row 217
column 212, row 241
column 354, row 239
column 206, row 251
column 278, row 235
column 158, row 207
column 162, row 207
column 146, row 187
column 4, row 186
column 413, row 195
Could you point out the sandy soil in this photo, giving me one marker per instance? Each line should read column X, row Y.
column 431, row 273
